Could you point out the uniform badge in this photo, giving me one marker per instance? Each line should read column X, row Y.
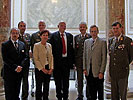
column 121, row 38
column 77, row 46
column 122, row 46
column 87, row 35
column 38, row 34
column 22, row 50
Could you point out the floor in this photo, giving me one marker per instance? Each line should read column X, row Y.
column 72, row 91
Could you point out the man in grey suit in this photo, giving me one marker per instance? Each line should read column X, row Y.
column 79, row 45
column 121, row 55
column 94, row 63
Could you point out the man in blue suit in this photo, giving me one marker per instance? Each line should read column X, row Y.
column 62, row 48
column 15, row 58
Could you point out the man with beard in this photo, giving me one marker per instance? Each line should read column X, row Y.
column 25, row 37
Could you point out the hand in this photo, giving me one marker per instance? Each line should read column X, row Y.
column 74, row 67
column 101, row 75
column 85, row 72
column 18, row 69
column 50, row 71
column 45, row 71
column 30, row 54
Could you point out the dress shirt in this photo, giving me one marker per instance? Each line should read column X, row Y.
column 14, row 43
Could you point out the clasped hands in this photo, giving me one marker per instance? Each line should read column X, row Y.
column 47, row 71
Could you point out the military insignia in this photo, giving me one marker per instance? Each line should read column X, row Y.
column 22, row 50
column 121, row 38
column 122, row 46
column 77, row 46
column 87, row 35
column 38, row 40
column 38, row 34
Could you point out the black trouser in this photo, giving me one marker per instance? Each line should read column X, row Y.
column 61, row 77
column 12, row 87
column 42, row 80
column 95, row 85
column 25, row 84
column 80, row 82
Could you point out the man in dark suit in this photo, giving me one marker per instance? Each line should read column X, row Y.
column 121, row 55
column 14, row 58
column 35, row 37
column 62, row 48
column 79, row 45
column 24, row 37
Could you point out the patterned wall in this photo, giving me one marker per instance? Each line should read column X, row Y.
column 54, row 11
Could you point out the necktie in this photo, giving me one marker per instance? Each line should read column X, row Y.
column 63, row 44
column 92, row 43
column 116, row 42
column 15, row 44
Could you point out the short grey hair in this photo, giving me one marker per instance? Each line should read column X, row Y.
column 84, row 23
column 14, row 29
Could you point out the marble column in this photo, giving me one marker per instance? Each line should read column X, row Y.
column 4, row 28
column 115, row 11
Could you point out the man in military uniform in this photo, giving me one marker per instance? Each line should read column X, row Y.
column 24, row 37
column 121, row 55
column 36, row 36
column 79, row 45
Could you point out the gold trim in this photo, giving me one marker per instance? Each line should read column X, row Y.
column 127, row 10
column 94, row 11
column 21, row 10
column 87, row 11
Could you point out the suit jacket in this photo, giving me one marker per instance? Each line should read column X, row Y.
column 121, row 55
column 56, row 43
column 78, row 50
column 41, row 54
column 97, row 55
column 13, row 58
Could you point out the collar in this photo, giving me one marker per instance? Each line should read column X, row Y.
column 94, row 39
column 119, row 37
column 83, row 35
column 63, row 33
column 14, row 41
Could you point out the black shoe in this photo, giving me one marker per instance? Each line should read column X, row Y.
column 24, row 99
column 79, row 98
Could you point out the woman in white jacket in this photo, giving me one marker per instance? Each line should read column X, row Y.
column 43, row 59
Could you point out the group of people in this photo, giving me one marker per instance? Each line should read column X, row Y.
column 60, row 51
